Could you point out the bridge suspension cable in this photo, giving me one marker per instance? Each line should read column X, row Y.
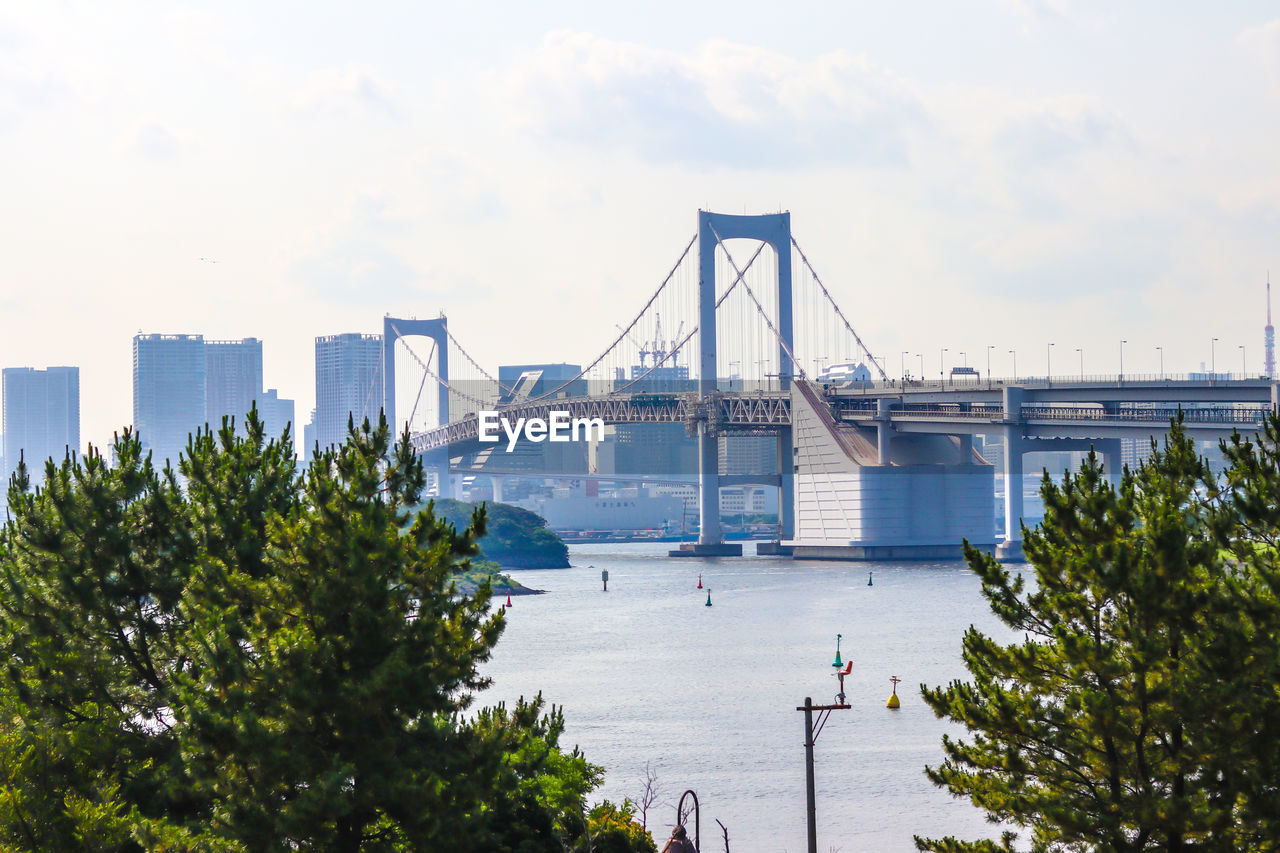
column 486, row 374
column 481, row 403
column 840, row 314
column 421, row 385
column 677, row 348
column 760, row 308
column 582, row 374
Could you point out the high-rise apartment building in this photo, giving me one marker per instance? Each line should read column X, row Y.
column 348, row 384
column 233, row 379
column 277, row 413
column 169, row 398
column 41, row 417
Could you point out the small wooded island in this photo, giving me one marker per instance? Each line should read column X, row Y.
column 515, row 539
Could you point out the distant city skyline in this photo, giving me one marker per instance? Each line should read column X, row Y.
column 41, row 418
column 999, row 175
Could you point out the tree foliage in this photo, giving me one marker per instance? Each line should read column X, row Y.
column 1141, row 711
column 614, row 828
column 514, row 537
column 245, row 656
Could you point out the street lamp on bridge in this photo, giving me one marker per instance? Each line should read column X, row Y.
column 942, row 367
column 1244, row 367
column 920, row 356
column 990, row 347
column 1048, row 364
column 1122, row 343
column 1161, row 351
column 1080, row 353
column 1014, row 353
column 903, row 364
column 1213, row 360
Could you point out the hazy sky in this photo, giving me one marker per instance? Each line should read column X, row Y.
column 1009, row 173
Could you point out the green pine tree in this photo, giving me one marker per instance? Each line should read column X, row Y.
column 1123, row 720
column 242, row 656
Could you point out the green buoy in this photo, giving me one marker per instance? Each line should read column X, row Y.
column 708, row 596
column 869, row 583
column 838, row 662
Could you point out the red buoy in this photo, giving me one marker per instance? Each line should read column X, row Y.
column 508, row 599
column 699, row 581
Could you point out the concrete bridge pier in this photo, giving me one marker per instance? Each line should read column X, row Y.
column 1112, row 466
column 1010, row 550
column 884, row 429
column 710, row 538
column 786, row 484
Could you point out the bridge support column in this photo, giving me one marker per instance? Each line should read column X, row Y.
column 710, row 541
column 1014, row 446
column 884, row 430
column 497, row 488
column 1109, row 449
column 966, row 449
column 786, row 485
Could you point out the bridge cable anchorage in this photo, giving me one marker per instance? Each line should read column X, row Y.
column 694, row 330
column 483, row 404
column 883, row 376
column 586, row 370
column 421, row 385
column 760, row 308
column 475, row 363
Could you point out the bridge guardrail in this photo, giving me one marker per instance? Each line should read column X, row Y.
column 1212, row 415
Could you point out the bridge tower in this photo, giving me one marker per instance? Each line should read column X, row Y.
column 775, row 230
column 437, row 330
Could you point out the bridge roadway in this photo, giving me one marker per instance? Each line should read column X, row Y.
column 1047, row 410
column 1028, row 416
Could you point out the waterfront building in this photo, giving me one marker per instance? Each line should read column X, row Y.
column 41, row 417
column 169, row 392
column 233, row 379
column 845, row 373
column 522, row 381
column 748, row 454
column 348, row 384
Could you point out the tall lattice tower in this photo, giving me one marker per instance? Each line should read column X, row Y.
column 1269, row 338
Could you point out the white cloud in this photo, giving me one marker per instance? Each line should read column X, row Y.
column 349, row 90
column 151, row 140
column 724, row 103
column 1263, row 42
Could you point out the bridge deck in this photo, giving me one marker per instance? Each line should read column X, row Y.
column 1215, row 407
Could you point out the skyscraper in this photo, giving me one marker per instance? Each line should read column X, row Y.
column 169, row 399
column 348, row 384
column 41, row 417
column 276, row 414
column 233, row 379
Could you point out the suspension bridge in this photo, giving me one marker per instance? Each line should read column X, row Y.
column 866, row 466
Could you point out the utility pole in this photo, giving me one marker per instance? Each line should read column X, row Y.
column 810, row 738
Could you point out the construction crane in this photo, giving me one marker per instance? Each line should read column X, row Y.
column 644, row 350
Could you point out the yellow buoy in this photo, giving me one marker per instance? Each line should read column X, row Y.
column 893, row 697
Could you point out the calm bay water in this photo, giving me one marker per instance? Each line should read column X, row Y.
column 707, row 695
